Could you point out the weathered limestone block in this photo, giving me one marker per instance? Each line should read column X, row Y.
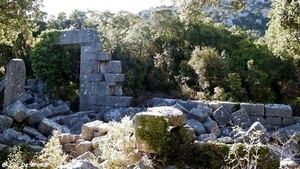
column 117, row 101
column 141, row 144
column 88, row 129
column 280, row 110
column 113, row 115
column 291, row 131
column 221, row 116
column 288, row 121
column 11, row 137
column 27, row 98
column 93, row 47
column 198, row 104
column 83, row 147
column 101, row 90
column 34, row 133
column 117, row 90
column 62, row 109
column 254, row 109
column 81, row 37
column 92, row 77
column 241, row 118
column 31, row 84
column 200, row 114
column 229, row 106
column 212, row 127
column 260, row 119
column 68, row 138
column 5, row 123
column 69, row 147
column 48, row 111
column 17, row 111
column 15, row 82
column 111, row 67
column 95, row 57
column 257, row 131
column 87, row 67
column 175, row 116
column 274, row 121
column 46, row 126
column 181, row 108
column 78, row 164
column 34, row 116
column 197, row 126
column 114, row 77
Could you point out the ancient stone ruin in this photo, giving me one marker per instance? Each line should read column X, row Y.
column 100, row 77
column 30, row 117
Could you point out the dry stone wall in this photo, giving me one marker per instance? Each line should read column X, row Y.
column 100, row 77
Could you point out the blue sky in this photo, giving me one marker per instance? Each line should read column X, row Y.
column 53, row 7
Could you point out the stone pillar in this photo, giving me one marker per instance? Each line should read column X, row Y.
column 15, row 82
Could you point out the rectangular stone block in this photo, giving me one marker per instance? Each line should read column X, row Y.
column 101, row 90
column 229, row 106
column 281, row 110
column 117, row 90
column 257, row 118
column 81, row 37
column 88, row 66
column 114, row 77
column 111, row 67
column 274, row 121
column 95, row 56
column 197, row 104
column 92, row 77
column 93, row 47
column 254, row 109
column 241, row 118
column 288, row 121
column 117, row 101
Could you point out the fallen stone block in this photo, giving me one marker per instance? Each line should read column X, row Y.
column 221, row 116
column 113, row 115
column 34, row 133
column 197, row 126
column 5, row 123
column 212, row 127
column 48, row 111
column 181, row 108
column 199, row 114
column 198, row 104
column 34, row 116
column 46, row 127
column 240, row 118
column 11, row 137
column 254, row 109
column 281, row 110
column 69, row 147
column 68, row 138
column 17, row 111
column 62, row 110
column 149, row 116
column 88, row 129
column 84, row 147
column 291, row 131
column 257, row 133
column 207, row 137
column 175, row 116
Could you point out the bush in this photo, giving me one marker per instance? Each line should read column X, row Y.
column 55, row 66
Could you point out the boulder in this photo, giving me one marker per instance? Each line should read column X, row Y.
column 175, row 116
column 34, row 133
column 240, row 118
column 199, row 114
column 88, row 129
column 46, row 127
column 5, row 123
column 221, row 115
column 197, row 126
column 212, row 127
column 17, row 111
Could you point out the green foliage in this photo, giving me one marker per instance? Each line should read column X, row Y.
column 56, row 66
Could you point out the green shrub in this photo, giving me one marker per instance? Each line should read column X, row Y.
column 54, row 66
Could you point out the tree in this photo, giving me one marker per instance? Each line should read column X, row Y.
column 15, row 18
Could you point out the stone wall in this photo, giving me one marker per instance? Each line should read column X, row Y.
column 100, row 77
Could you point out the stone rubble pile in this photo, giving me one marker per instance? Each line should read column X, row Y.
column 33, row 120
